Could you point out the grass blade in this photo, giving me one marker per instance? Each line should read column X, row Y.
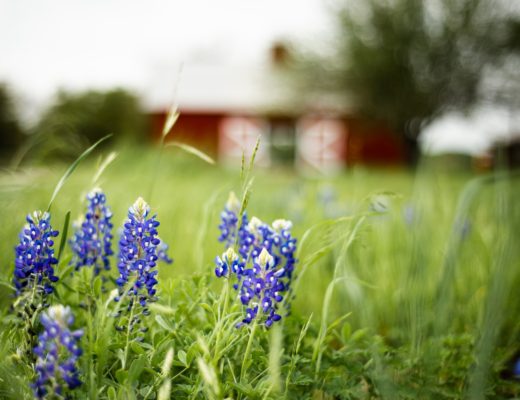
column 192, row 150
column 72, row 167
column 106, row 162
column 171, row 119
column 64, row 232
column 253, row 155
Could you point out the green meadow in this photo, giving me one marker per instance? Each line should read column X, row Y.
column 405, row 285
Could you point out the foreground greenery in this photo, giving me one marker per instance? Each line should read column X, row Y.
column 405, row 285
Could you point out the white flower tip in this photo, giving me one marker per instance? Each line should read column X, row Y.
column 254, row 224
column 282, row 224
column 78, row 221
column 140, row 207
column 60, row 314
column 265, row 259
column 112, row 295
column 230, row 255
column 233, row 204
column 94, row 191
column 38, row 215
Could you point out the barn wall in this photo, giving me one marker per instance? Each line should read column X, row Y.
column 368, row 142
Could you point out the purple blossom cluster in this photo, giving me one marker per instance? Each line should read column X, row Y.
column 139, row 250
column 35, row 261
column 264, row 265
column 57, row 354
column 92, row 241
column 229, row 221
column 56, row 350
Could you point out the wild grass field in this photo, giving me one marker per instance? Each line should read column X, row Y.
column 405, row 285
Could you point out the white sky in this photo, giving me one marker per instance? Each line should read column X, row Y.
column 47, row 44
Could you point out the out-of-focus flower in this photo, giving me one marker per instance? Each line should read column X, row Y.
column 92, row 241
column 57, row 353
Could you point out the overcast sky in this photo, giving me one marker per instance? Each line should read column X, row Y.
column 46, row 44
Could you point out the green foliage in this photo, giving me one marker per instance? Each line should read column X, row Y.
column 406, row 61
column 366, row 320
column 11, row 134
column 76, row 120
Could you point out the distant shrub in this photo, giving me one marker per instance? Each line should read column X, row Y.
column 11, row 133
column 75, row 120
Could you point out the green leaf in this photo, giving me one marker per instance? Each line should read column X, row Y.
column 121, row 376
column 182, row 357
column 346, row 331
column 192, row 150
column 136, row 348
column 111, row 393
column 161, row 308
column 97, row 286
column 162, row 322
column 72, row 167
column 64, row 232
column 136, row 368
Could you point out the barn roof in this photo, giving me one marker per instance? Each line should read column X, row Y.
column 231, row 88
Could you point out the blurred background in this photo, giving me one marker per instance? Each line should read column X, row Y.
column 327, row 84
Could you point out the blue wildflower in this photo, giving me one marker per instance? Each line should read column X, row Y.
column 162, row 252
column 229, row 221
column 57, row 353
column 34, row 263
column 262, row 289
column 228, row 263
column 138, row 254
column 92, row 242
column 276, row 239
column 264, row 265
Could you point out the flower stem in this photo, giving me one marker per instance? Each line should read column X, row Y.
column 128, row 331
column 247, row 354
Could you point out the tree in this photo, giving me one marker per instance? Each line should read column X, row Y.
column 407, row 61
column 11, row 134
column 76, row 120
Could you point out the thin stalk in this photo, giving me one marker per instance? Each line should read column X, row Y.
column 221, row 316
column 93, row 378
column 249, row 347
column 128, row 331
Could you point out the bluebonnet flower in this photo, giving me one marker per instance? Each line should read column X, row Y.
column 277, row 239
column 262, row 289
column 270, row 250
column 92, row 242
column 138, row 254
column 57, row 353
column 228, row 263
column 229, row 220
column 162, row 252
column 35, row 261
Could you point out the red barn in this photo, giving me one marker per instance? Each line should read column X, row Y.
column 223, row 109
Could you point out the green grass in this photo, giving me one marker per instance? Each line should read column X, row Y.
column 388, row 305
